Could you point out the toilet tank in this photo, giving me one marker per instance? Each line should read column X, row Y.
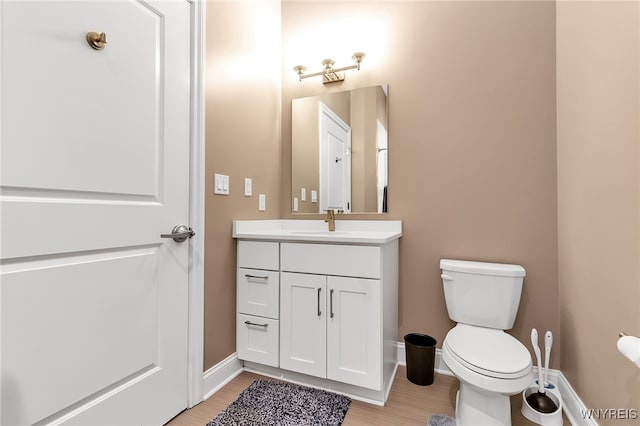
column 482, row 294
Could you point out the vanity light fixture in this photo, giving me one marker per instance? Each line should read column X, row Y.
column 330, row 74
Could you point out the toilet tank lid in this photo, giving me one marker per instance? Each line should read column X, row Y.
column 483, row 268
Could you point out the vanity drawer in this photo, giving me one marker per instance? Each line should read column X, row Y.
column 258, row 255
column 257, row 339
column 331, row 259
column 258, row 292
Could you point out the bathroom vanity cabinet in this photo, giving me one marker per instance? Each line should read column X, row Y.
column 315, row 309
column 335, row 335
column 331, row 324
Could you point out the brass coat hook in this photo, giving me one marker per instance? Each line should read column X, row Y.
column 96, row 41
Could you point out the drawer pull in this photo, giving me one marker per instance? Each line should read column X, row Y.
column 255, row 277
column 331, row 303
column 257, row 325
column 319, row 313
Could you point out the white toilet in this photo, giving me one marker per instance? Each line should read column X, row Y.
column 491, row 365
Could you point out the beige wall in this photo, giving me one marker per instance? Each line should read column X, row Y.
column 472, row 136
column 242, row 140
column 598, row 68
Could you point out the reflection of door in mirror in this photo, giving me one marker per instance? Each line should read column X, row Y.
column 335, row 161
column 363, row 189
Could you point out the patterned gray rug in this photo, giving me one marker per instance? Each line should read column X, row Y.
column 441, row 420
column 269, row 403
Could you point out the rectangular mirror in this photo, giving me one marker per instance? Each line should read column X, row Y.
column 339, row 151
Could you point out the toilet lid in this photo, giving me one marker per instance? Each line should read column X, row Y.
column 487, row 351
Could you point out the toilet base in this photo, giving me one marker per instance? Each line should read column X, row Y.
column 475, row 407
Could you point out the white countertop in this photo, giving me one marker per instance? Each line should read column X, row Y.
column 347, row 231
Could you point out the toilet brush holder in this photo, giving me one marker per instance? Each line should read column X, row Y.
column 544, row 419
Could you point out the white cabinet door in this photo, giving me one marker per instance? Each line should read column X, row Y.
column 94, row 167
column 354, row 350
column 303, row 323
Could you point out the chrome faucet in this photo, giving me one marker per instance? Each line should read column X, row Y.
column 331, row 218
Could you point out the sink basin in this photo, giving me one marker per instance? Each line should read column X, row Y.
column 317, row 233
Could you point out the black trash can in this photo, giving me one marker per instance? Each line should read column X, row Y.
column 420, row 351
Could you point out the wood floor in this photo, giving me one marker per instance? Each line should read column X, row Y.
column 408, row 404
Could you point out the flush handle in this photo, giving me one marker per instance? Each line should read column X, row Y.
column 446, row 277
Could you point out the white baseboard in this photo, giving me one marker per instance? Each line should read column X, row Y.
column 221, row 374
column 439, row 365
column 226, row 370
column 573, row 406
column 354, row 392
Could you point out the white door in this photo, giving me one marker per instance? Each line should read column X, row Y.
column 303, row 323
column 94, row 167
column 335, row 161
column 354, row 350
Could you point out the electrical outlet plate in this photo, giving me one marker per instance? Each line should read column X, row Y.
column 262, row 202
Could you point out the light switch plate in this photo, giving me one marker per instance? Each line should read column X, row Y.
column 262, row 202
column 221, row 184
column 295, row 204
column 248, row 183
column 303, row 194
column 314, row 196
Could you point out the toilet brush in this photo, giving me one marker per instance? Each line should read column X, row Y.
column 548, row 342
column 540, row 401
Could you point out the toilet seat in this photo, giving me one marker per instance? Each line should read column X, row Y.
column 489, row 352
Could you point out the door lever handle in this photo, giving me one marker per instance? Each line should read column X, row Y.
column 179, row 233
